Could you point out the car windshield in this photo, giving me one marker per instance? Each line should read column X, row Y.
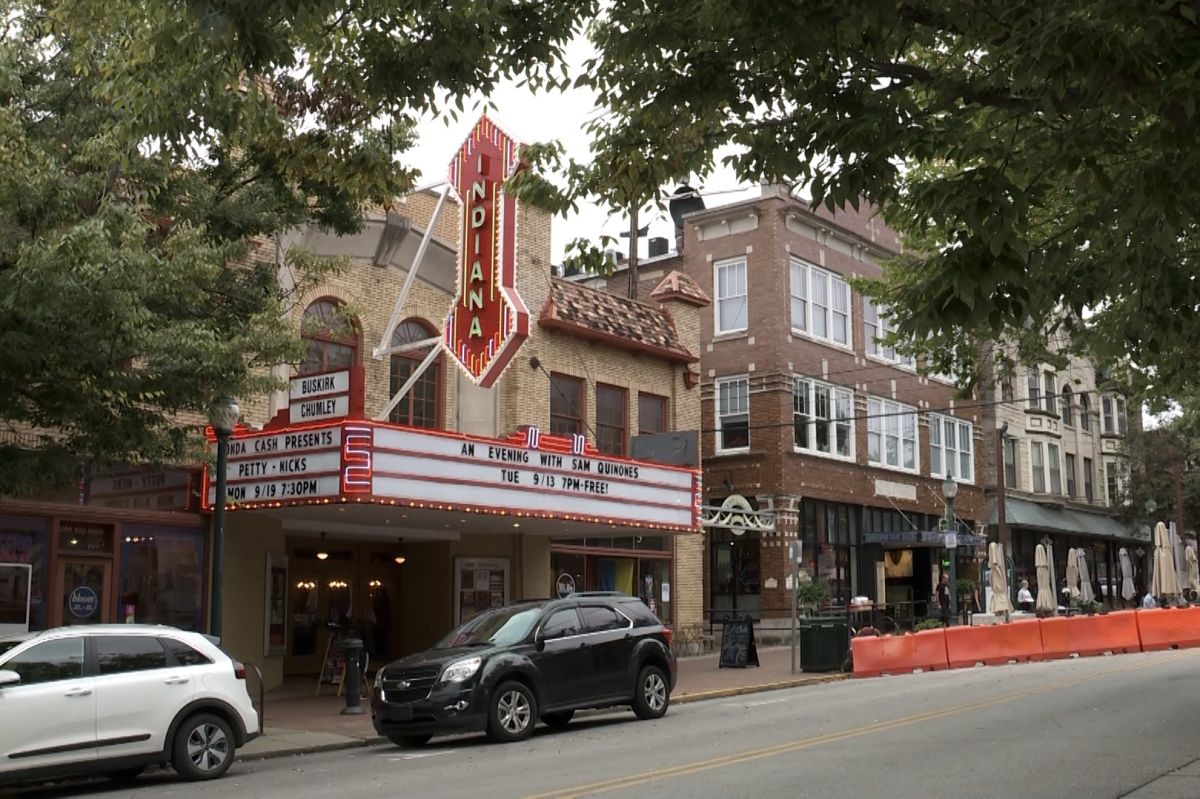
column 494, row 627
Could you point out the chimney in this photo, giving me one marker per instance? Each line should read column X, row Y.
column 658, row 246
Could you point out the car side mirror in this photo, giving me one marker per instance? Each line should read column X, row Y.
column 9, row 678
column 539, row 643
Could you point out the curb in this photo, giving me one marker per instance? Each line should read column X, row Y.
column 723, row 693
column 355, row 743
column 720, row 693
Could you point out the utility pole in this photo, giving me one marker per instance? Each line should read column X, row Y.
column 1001, row 490
column 633, row 252
column 1179, row 515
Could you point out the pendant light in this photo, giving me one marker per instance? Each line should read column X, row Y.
column 322, row 554
column 400, row 555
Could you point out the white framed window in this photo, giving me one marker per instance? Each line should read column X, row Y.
column 1116, row 480
column 951, row 443
column 799, row 293
column 1037, row 466
column 876, row 325
column 1055, row 463
column 732, row 396
column 891, row 434
column 1112, row 410
column 823, row 418
column 820, row 303
column 1050, row 401
column 731, row 307
column 1033, row 385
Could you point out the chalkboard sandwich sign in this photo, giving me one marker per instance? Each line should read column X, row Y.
column 737, row 644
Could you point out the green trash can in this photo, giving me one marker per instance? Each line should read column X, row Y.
column 824, row 643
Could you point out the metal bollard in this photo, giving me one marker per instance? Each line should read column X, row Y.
column 352, row 650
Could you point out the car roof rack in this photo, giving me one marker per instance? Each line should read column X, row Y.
column 597, row 593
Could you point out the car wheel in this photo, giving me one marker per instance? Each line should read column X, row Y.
column 556, row 721
column 125, row 775
column 203, row 748
column 409, row 741
column 652, row 696
column 512, row 713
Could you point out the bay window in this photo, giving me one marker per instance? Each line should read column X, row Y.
column 822, row 418
column 733, row 413
column 820, row 303
column 891, row 434
column 950, row 448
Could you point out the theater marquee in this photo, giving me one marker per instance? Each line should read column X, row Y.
column 525, row 475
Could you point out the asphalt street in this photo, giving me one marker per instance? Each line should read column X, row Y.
column 1099, row 728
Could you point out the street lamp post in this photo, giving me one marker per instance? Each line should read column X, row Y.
column 950, row 491
column 223, row 415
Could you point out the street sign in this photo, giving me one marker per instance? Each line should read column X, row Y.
column 796, row 551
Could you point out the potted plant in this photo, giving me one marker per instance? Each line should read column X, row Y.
column 966, row 593
column 810, row 594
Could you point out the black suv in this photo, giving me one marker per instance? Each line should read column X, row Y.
column 506, row 668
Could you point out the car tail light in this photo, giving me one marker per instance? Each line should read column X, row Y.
column 667, row 634
column 239, row 670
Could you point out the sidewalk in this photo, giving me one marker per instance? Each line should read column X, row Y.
column 298, row 722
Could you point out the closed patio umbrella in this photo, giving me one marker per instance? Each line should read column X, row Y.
column 1086, row 594
column 1165, row 582
column 1127, row 590
column 1046, row 601
column 998, row 579
column 1053, row 572
column 1193, row 569
column 1072, row 575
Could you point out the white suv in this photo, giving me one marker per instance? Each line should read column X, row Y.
column 115, row 699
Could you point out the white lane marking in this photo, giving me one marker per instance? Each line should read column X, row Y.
column 758, row 704
column 419, row 755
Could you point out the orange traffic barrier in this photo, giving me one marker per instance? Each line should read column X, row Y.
column 1115, row 632
column 1173, row 628
column 993, row 645
column 899, row 654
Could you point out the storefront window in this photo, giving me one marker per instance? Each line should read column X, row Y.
column 26, row 541
column 80, row 538
column 648, row 578
column 162, row 576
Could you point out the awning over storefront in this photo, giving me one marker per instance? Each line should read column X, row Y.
column 929, row 538
column 1024, row 513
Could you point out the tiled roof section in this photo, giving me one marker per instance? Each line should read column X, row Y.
column 617, row 321
column 677, row 285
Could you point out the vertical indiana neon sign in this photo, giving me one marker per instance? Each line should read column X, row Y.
column 488, row 321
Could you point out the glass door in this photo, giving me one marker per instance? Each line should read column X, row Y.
column 84, row 591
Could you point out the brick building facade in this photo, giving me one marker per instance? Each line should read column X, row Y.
column 804, row 413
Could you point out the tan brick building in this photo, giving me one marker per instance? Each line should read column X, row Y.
column 804, row 413
column 594, row 364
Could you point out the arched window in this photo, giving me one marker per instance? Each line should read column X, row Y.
column 1085, row 411
column 1068, row 413
column 331, row 336
column 421, row 406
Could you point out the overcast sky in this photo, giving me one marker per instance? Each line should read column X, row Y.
column 531, row 117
